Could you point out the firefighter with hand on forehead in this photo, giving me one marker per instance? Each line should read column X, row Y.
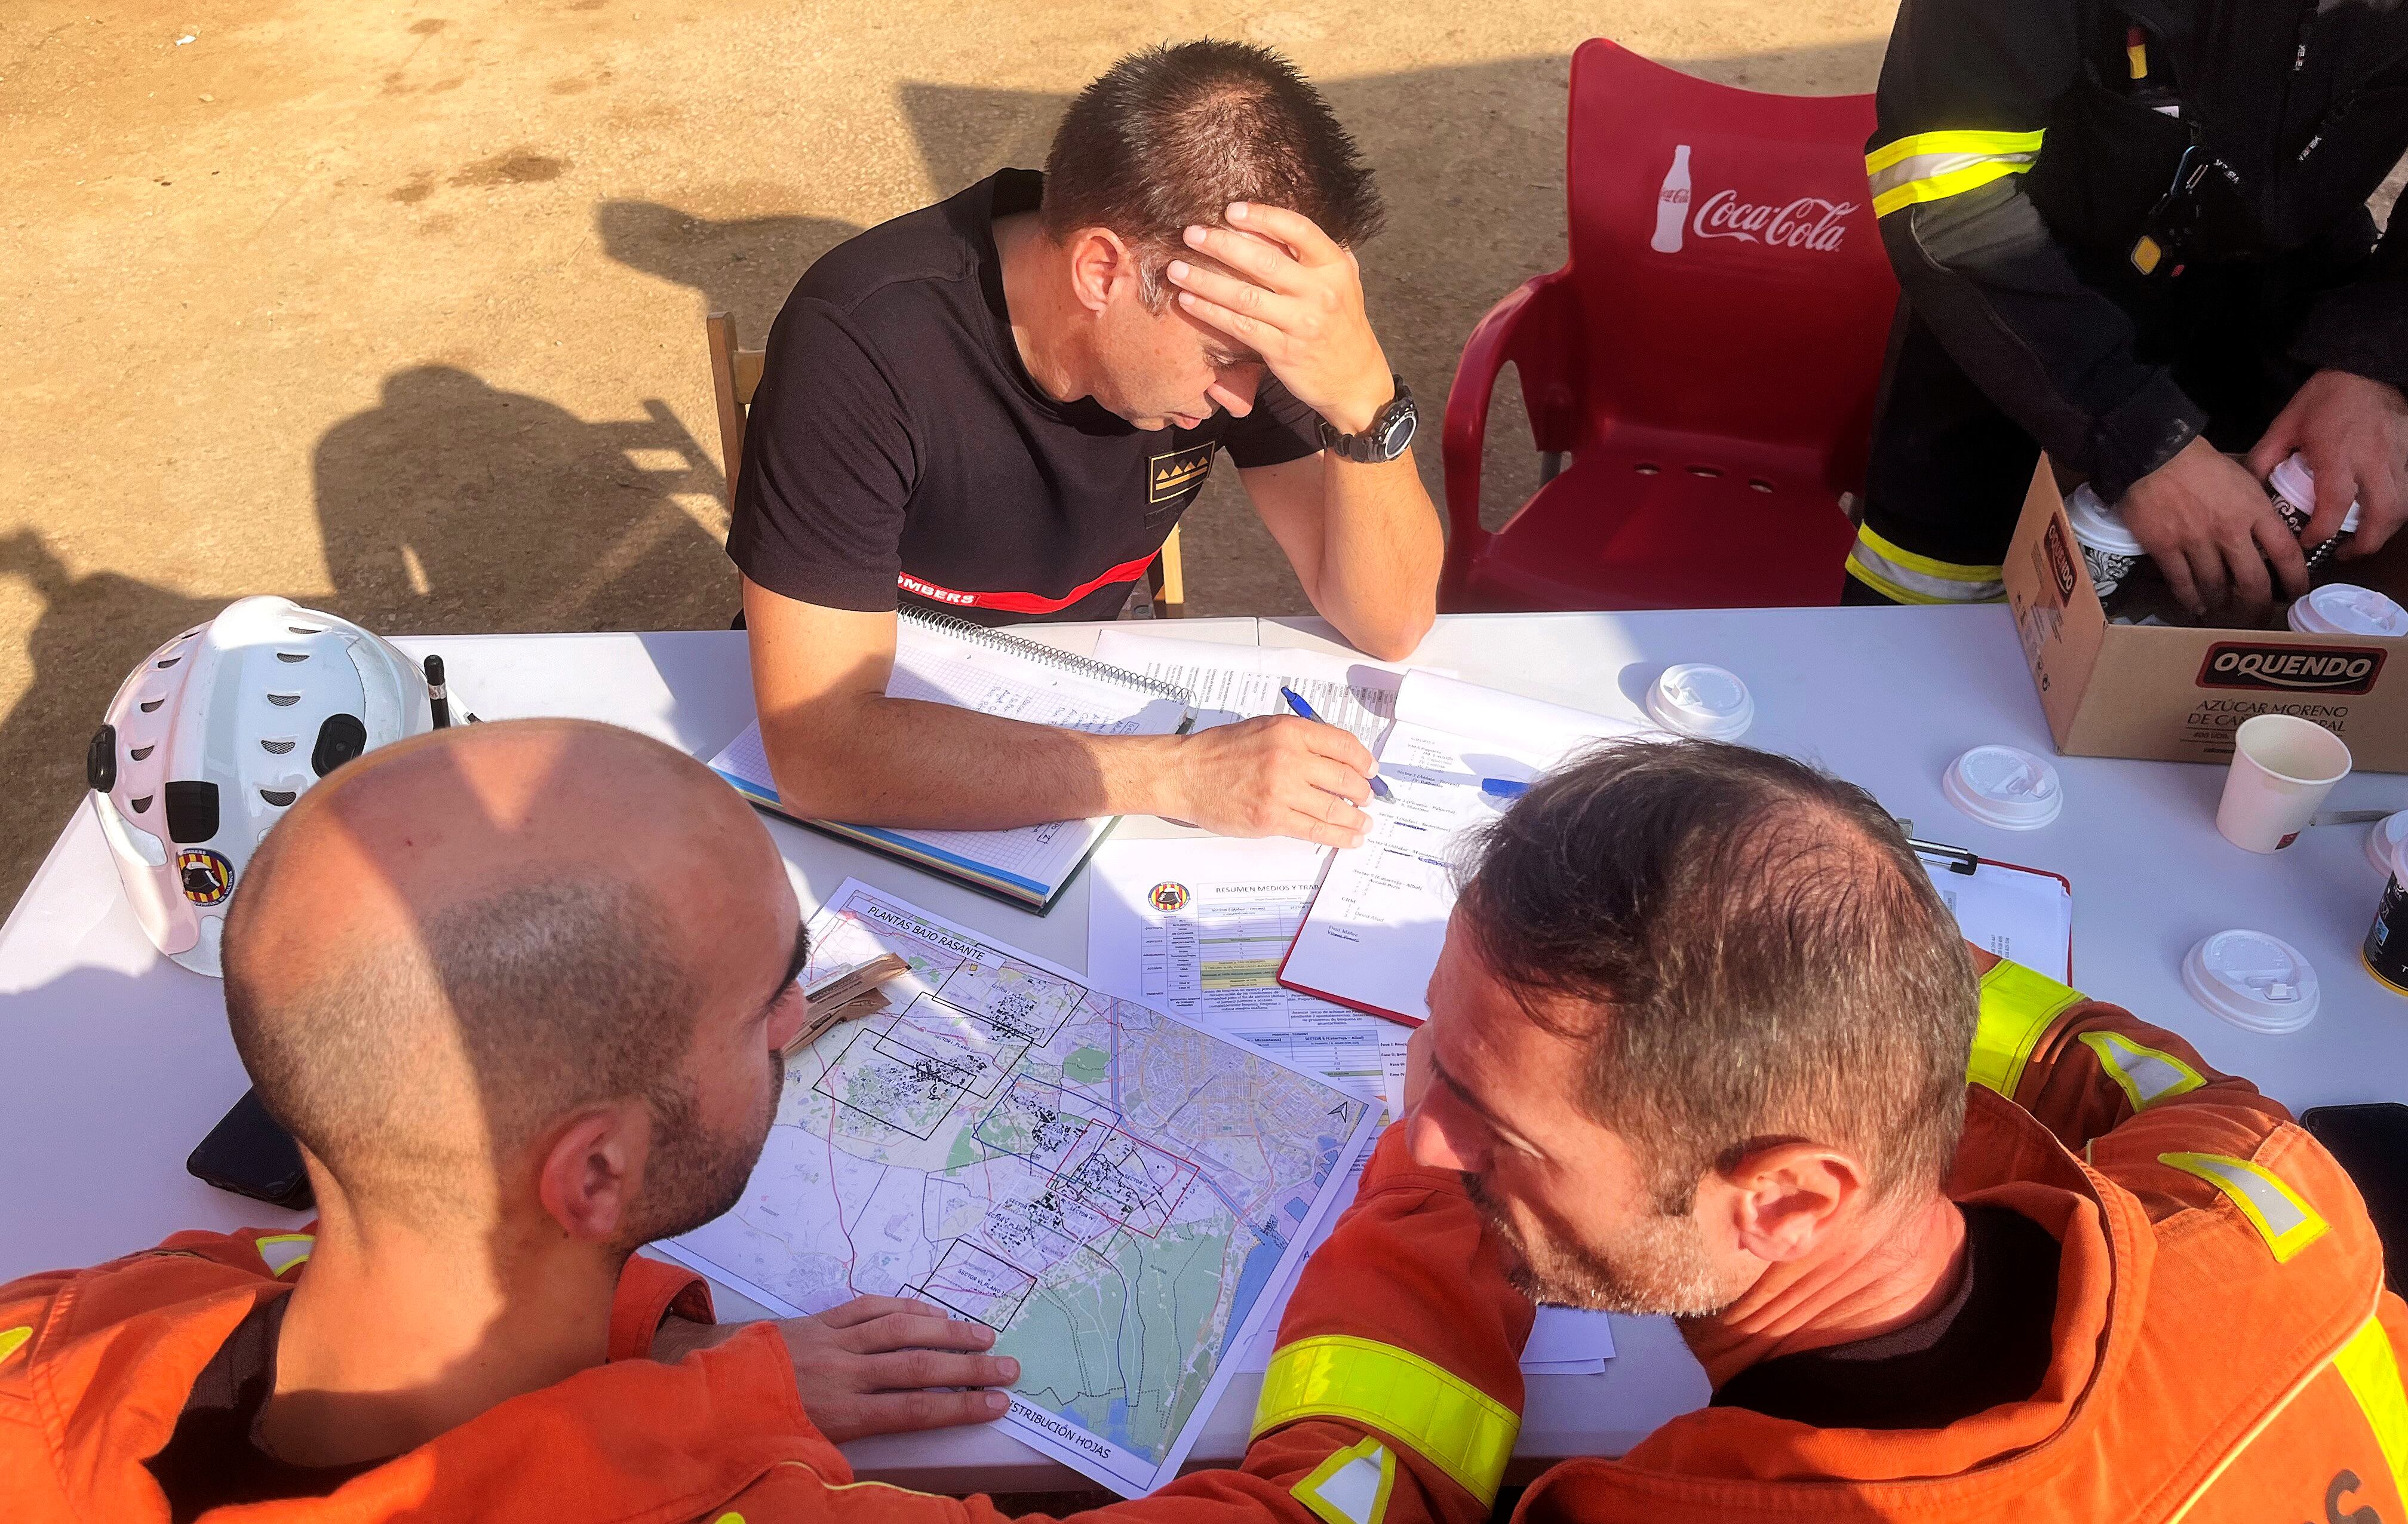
column 2136, row 236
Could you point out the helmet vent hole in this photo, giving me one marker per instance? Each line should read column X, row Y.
column 169, row 662
column 150, row 706
column 192, row 811
column 142, row 753
column 284, row 701
column 280, row 797
column 307, row 629
column 141, row 804
column 280, row 745
column 292, row 655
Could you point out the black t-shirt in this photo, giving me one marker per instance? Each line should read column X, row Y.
column 1989, row 1344
column 898, row 452
column 215, row 1458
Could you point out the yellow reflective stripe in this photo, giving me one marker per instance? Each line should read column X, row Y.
column 1929, row 167
column 1953, row 142
column 13, row 1339
column 2371, row 1368
column 2286, row 1222
column 1939, row 187
column 282, row 1251
column 1453, row 1424
column 1903, row 575
column 2147, row 1075
column 2017, row 1006
column 1351, row 1486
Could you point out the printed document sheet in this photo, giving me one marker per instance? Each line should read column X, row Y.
column 1372, row 936
column 1115, row 1191
column 1231, row 682
column 1199, row 926
column 2012, row 912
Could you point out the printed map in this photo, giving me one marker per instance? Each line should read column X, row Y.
column 1110, row 1188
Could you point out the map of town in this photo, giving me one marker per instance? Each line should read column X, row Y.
column 1108, row 1188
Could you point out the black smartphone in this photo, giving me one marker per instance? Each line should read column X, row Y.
column 2371, row 1143
column 250, row 1154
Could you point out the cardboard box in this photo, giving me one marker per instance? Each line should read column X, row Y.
column 2177, row 695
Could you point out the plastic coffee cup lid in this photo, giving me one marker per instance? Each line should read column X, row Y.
column 2384, row 839
column 2098, row 526
column 2005, row 786
column 2297, row 485
column 1696, row 700
column 2347, row 608
column 2253, row 981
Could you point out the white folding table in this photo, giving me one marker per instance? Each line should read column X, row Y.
column 119, row 1061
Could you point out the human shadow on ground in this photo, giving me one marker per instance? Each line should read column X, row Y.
column 744, row 266
column 453, row 506
column 92, row 628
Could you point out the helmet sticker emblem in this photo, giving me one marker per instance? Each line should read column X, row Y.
column 209, row 878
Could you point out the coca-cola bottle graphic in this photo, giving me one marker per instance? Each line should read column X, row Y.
column 1672, row 205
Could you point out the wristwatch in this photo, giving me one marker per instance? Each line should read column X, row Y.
column 1390, row 431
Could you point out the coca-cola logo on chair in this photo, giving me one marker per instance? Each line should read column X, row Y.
column 1807, row 223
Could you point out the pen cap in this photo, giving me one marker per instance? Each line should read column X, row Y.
column 2256, row 982
column 1696, row 700
column 2005, row 786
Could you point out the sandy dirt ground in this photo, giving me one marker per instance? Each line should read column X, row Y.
column 395, row 308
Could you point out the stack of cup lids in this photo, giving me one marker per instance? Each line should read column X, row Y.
column 2346, row 609
column 2383, row 837
column 2005, row 786
column 2253, row 981
column 1696, row 700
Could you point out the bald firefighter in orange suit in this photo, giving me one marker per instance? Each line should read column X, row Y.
column 512, row 1048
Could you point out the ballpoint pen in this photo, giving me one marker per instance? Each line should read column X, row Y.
column 1304, row 711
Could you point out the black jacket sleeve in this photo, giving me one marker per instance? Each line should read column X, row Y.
column 1978, row 263
column 2363, row 327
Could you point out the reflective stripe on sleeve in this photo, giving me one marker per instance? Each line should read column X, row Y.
column 13, row 1339
column 1904, row 577
column 2146, row 1075
column 1351, row 1486
column 1933, row 165
column 2371, row 1369
column 1450, row 1422
column 2286, row 1222
column 282, row 1251
column 2017, row 1006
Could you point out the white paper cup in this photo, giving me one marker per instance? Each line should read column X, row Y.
column 2283, row 767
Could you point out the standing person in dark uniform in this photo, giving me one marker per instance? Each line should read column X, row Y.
column 998, row 407
column 2135, row 235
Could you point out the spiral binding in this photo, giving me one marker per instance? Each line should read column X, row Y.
column 1069, row 661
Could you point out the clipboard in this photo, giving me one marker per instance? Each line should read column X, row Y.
column 2024, row 915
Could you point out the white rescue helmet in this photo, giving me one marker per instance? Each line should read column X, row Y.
column 213, row 736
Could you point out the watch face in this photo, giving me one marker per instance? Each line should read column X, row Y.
column 1398, row 435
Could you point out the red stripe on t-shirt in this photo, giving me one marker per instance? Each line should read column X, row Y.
column 1025, row 603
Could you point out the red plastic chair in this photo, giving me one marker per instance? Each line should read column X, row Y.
column 1708, row 360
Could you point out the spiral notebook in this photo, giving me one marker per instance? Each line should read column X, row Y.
column 946, row 661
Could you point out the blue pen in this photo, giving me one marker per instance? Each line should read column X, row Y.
column 1503, row 788
column 1295, row 701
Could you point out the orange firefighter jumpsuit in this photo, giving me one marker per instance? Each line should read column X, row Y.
column 2224, row 1351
